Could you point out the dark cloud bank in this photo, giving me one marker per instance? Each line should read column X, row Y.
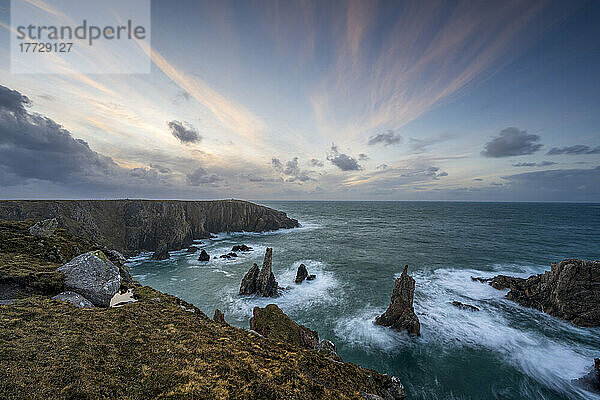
column 184, row 132
column 512, row 142
column 342, row 161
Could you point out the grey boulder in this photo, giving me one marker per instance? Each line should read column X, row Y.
column 93, row 276
column 74, row 298
column 44, row 228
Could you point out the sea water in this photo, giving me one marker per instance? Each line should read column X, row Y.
column 357, row 249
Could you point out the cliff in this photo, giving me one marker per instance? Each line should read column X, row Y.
column 131, row 226
column 156, row 347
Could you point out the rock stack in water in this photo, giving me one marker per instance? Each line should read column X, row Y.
column 261, row 282
column 301, row 274
column 568, row 291
column 400, row 314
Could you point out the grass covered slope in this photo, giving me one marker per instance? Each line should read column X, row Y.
column 157, row 347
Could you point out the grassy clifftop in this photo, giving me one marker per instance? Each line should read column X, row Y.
column 158, row 347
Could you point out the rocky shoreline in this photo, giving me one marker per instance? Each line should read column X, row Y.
column 58, row 338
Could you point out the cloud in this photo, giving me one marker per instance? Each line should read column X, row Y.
column 420, row 145
column 578, row 149
column 382, row 166
column 363, row 157
column 161, row 169
column 200, row 177
column 478, row 179
column 291, row 170
column 388, row 138
column 342, row 161
column 184, row 132
column 13, row 101
column 532, row 164
column 316, row 163
column 512, row 142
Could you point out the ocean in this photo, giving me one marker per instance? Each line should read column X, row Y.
column 357, row 249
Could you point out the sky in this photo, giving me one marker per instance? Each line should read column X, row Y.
column 314, row 100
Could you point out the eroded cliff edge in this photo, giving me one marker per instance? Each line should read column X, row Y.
column 132, row 226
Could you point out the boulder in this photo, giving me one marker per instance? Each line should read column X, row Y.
column 248, row 285
column 301, row 274
column 311, row 277
column 44, row 228
column 400, row 314
column 241, row 247
column 192, row 249
column 219, row 316
column 161, row 253
column 93, row 276
column 568, row 291
column 74, row 298
column 464, row 306
column 204, row 256
column 273, row 323
column 120, row 261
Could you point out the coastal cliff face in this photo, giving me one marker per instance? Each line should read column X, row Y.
column 132, row 226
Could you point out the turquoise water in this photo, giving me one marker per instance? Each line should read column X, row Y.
column 356, row 249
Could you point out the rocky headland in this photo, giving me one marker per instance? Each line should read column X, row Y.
column 132, row 226
column 58, row 338
column 570, row 291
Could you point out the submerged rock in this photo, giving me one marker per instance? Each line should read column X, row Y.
column 74, row 298
column 311, row 277
column 464, row 306
column 480, row 279
column 44, row 228
column 241, row 247
column 301, row 274
column 273, row 323
column 192, row 249
column 161, row 253
column 400, row 314
column 93, row 276
column 568, row 291
column 219, row 316
column 204, row 256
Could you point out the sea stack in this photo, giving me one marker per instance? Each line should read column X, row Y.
column 400, row 314
column 301, row 274
column 261, row 282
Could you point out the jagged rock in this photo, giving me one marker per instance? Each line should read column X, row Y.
column 93, row 276
column 400, row 314
column 219, row 316
column 327, row 348
column 568, row 291
column 224, row 256
column 161, row 253
column 311, row 277
column 120, row 261
column 480, row 279
column 266, row 285
column 204, row 256
column 597, row 370
column 44, row 228
column 273, row 323
column 241, row 247
column 465, row 306
column 248, row 285
column 192, row 249
column 301, row 274
column 74, row 298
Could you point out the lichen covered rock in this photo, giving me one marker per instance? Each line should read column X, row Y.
column 272, row 323
column 74, row 298
column 93, row 276
column 44, row 228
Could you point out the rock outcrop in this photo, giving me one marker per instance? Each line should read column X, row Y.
column 219, row 316
column 301, row 274
column 44, row 228
column 570, row 291
column 132, row 226
column 162, row 253
column 328, row 349
column 400, row 314
column 273, row 323
column 93, row 276
column 74, row 298
column 204, row 256
column 464, row 306
column 261, row 282
column 192, row 249
column 241, row 247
